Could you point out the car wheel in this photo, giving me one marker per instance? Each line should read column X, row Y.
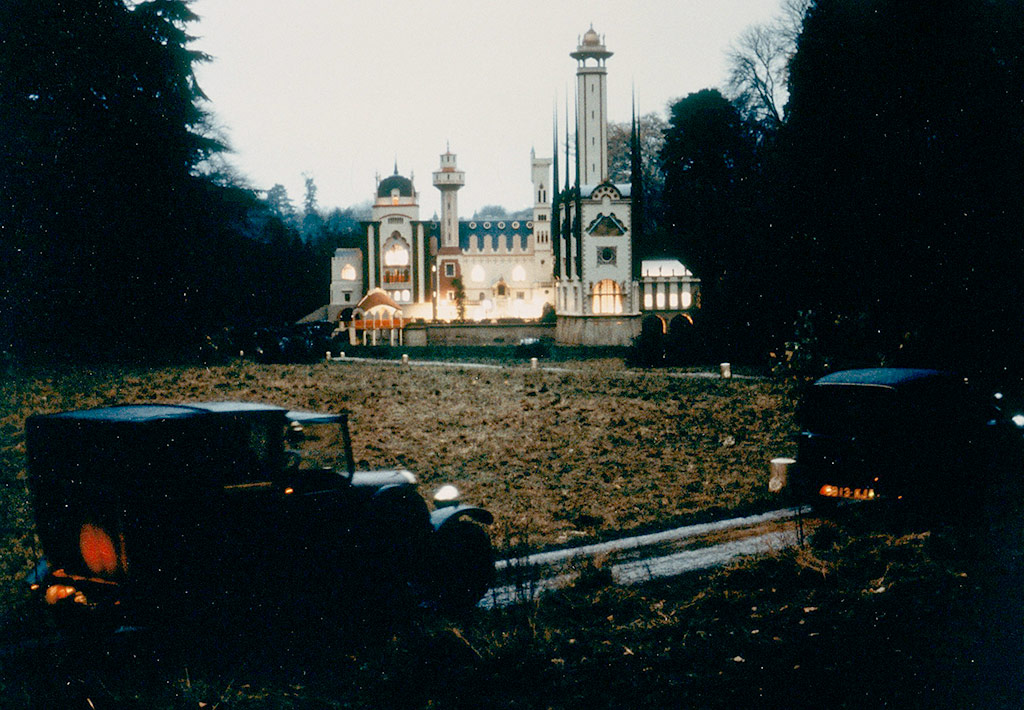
column 465, row 564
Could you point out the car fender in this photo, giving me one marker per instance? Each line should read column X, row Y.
column 443, row 516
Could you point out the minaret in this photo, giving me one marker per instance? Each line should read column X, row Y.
column 448, row 179
column 592, row 108
column 540, row 170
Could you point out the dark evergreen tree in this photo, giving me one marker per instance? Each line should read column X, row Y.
column 716, row 221
column 904, row 155
column 103, row 127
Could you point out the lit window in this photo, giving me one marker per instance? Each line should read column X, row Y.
column 396, row 251
column 660, row 299
column 673, row 300
column 607, row 297
column 348, row 272
column 406, row 296
column 687, row 299
column 648, row 300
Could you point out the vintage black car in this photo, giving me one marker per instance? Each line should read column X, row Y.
column 145, row 509
column 900, row 434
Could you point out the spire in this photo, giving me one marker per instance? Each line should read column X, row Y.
column 396, row 165
column 556, row 218
column 567, row 266
column 637, row 230
column 567, row 163
column 578, row 231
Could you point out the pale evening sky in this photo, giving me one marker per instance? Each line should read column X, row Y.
column 340, row 90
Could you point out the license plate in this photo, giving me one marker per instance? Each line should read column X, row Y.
column 830, row 491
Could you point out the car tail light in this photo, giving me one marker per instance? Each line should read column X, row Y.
column 98, row 550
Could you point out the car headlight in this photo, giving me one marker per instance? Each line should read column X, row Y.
column 446, row 495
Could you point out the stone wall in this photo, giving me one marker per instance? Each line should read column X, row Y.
column 421, row 334
column 597, row 330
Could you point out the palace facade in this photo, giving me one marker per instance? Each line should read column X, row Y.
column 574, row 255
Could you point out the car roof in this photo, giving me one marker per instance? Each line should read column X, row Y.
column 143, row 413
column 887, row 377
column 130, row 413
column 236, row 407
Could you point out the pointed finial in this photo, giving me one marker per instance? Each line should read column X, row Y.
column 396, row 165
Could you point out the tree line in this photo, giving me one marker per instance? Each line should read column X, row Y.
column 858, row 186
column 122, row 230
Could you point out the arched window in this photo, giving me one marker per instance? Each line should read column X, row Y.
column 607, row 298
column 519, row 273
column 396, row 260
column 348, row 272
column 396, row 251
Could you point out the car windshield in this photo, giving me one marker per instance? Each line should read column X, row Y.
column 319, row 445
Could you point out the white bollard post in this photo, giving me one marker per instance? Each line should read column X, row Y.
column 726, row 370
column 778, row 477
column 405, row 359
column 328, row 355
column 341, row 355
column 533, row 363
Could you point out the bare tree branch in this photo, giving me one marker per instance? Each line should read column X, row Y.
column 759, row 64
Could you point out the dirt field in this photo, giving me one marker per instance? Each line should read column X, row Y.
column 558, row 456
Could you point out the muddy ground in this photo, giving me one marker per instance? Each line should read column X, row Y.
column 593, row 451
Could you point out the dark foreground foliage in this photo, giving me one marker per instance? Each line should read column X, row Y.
column 867, row 615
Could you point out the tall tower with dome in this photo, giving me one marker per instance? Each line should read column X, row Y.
column 597, row 297
column 449, row 179
column 592, row 107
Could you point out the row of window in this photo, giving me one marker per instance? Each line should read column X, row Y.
column 478, row 274
column 675, row 300
column 501, row 290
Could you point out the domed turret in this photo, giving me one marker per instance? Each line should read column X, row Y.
column 591, row 47
column 592, row 108
column 394, row 182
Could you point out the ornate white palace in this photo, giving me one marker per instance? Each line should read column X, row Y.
column 574, row 254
